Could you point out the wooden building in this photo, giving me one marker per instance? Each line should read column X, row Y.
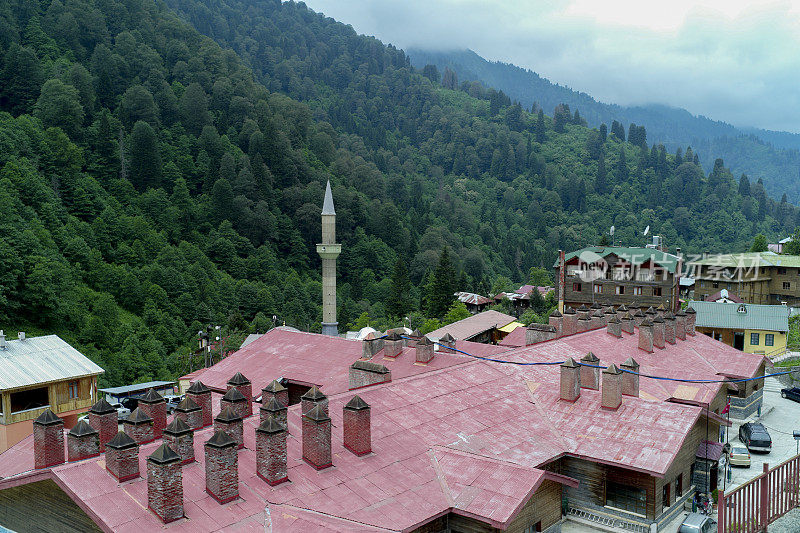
column 751, row 328
column 37, row 373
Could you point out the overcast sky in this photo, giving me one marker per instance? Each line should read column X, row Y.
column 727, row 59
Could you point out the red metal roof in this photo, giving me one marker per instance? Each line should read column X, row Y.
column 473, row 325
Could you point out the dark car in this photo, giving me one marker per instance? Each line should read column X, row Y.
column 130, row 403
column 755, row 437
column 792, row 394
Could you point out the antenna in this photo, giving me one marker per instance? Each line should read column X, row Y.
column 647, row 230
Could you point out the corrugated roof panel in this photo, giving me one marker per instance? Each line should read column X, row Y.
column 728, row 316
column 42, row 360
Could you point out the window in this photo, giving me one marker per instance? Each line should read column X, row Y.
column 598, row 289
column 715, row 284
column 679, row 486
column 576, row 287
column 665, row 500
column 781, row 271
column 754, row 339
column 656, row 291
column 29, row 399
column 626, row 498
column 787, row 285
column 769, row 339
column 620, row 289
column 637, row 291
column 73, row 390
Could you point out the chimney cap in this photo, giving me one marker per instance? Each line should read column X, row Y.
column 669, row 316
column 233, row 395
column 556, row 314
column 273, row 405
column 177, row 427
column 569, row 363
column 187, row 405
column 680, row 313
column 151, row 396
column 393, row 336
column 82, row 429
column 622, row 309
column 138, row 417
column 614, row 320
column 369, row 366
column 102, row 407
column 569, row 311
column 627, row 316
column 447, row 338
column 228, row 415
column 317, row 414
column 541, row 327
column 610, row 310
column 650, row 311
column 612, row 369
column 238, row 379
column 638, row 313
column 661, row 307
column 583, row 308
column 595, row 305
column 48, row 418
column 590, row 358
column 220, row 439
column 599, row 314
column 198, row 387
column 313, row 394
column 274, row 386
column 121, row 441
column 356, row 404
column 646, row 323
column 424, row 341
column 270, row 425
column 690, row 310
column 164, row 455
column 658, row 320
column 584, row 317
column 630, row 362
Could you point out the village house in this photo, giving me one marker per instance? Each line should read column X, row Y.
column 751, row 328
column 37, row 373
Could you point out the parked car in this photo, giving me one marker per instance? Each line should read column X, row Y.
column 122, row 411
column 791, row 394
column 172, row 401
column 739, row 456
column 756, row 437
column 130, row 403
column 697, row 523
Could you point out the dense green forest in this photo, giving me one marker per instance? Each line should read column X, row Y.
column 162, row 168
column 771, row 155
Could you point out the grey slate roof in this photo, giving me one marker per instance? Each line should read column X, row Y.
column 727, row 316
column 327, row 205
column 114, row 391
column 42, row 360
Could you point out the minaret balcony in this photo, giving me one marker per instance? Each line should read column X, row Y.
column 329, row 251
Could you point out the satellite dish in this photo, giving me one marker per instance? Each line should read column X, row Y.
column 647, row 230
column 612, row 231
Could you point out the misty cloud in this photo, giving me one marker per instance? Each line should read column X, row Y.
column 726, row 60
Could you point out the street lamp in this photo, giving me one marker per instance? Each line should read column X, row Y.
column 796, row 435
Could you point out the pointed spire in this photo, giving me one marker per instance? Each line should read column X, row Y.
column 327, row 206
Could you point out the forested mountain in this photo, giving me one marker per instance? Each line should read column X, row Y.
column 770, row 155
column 154, row 179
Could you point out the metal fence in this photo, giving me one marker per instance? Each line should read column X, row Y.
column 762, row 500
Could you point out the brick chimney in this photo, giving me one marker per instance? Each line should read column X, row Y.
column 610, row 313
column 277, row 391
column 236, row 401
column 583, row 312
column 180, row 437
column 646, row 336
column 392, row 345
column 669, row 327
column 650, row 313
column 317, row 438
column 661, row 310
column 273, row 409
column 621, row 311
column 680, row 325
column 139, row 426
column 570, row 380
column 122, row 457
column 243, row 385
column 357, row 430
column 639, row 317
column 590, row 372
column 165, row 484
column 271, row 451
column 222, row 467
column 570, row 322
column 630, row 377
column 598, row 319
column 48, row 440
column 447, row 344
column 611, row 395
column 557, row 321
column 691, row 316
column 658, row 332
column 366, row 373
column 201, row 395
column 627, row 323
column 424, row 351
column 153, row 405
column 103, row 418
column 536, row 333
column 371, row 346
column 190, row 413
column 584, row 322
column 231, row 423
column 83, row 441
column 614, row 327
column 311, row 398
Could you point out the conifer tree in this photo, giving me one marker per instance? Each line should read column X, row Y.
column 399, row 297
column 442, row 287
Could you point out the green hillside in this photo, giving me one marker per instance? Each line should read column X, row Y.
column 154, row 179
